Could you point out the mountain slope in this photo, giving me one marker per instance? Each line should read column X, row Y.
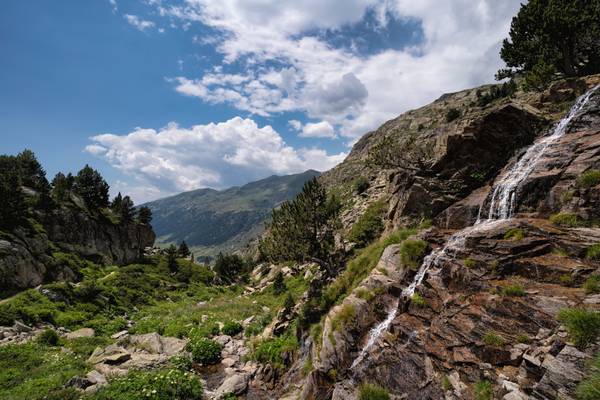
column 211, row 221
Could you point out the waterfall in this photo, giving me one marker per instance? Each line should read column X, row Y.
column 502, row 206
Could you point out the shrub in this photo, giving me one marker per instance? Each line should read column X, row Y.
column 232, row 328
column 273, row 350
column 343, row 317
column 253, row 329
column 589, row 388
column 592, row 284
column 483, row 390
column 469, row 263
column 411, row 252
column 452, row 114
column 514, row 234
column 593, row 252
column 589, row 179
column 182, row 363
column 523, row 338
column 493, row 339
column 204, row 351
column 369, row 226
column 582, row 325
column 372, row 392
column 278, row 283
column 446, row 384
column 567, row 220
column 360, row 184
column 514, row 290
column 155, row 385
column 48, row 337
column 7, row 315
column 418, row 300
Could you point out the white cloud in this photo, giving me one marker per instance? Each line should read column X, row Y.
column 321, row 129
column 461, row 39
column 138, row 23
column 295, row 124
column 114, row 5
column 175, row 159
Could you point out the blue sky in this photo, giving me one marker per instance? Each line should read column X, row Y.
column 166, row 96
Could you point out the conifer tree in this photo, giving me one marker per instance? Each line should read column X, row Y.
column 90, row 185
column 127, row 210
column 171, row 253
column 32, row 173
column 117, row 203
column 61, row 186
column 183, row 250
column 12, row 202
column 144, row 215
column 278, row 283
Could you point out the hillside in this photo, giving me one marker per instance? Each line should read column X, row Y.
column 211, row 221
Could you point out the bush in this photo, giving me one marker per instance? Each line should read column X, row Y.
column 469, row 263
column 343, row 317
column 589, row 388
column 372, row 392
column 452, row 114
column 493, row 339
column 155, row 385
column 483, row 390
column 360, row 184
column 204, row 351
column 514, row 234
column 589, row 179
column 273, row 350
column 582, row 325
column 592, row 284
column 411, row 252
column 48, row 337
column 567, row 220
column 593, row 252
column 232, row 328
column 182, row 363
column 523, row 338
column 418, row 300
column 369, row 226
column 514, row 290
column 7, row 315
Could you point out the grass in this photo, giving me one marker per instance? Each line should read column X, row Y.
column 418, row 300
column 592, row 284
column 589, row 179
column 272, row 351
column 593, row 252
column 492, row 339
column 514, row 234
column 369, row 391
column 514, row 290
column 343, row 317
column 412, row 251
column 469, row 263
column 568, row 220
column 589, row 388
column 369, row 226
column 446, row 384
column 582, row 325
column 483, row 390
column 523, row 338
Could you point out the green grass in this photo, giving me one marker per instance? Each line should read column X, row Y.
column 589, row 179
column 483, row 390
column 492, row 339
column 514, row 234
column 514, row 290
column 589, row 388
column 418, row 300
column 469, row 263
column 343, row 317
column 593, row 252
column 369, row 391
column 582, row 325
column 33, row 371
column 568, row 220
column 273, row 350
column 412, row 251
column 523, row 338
column 446, row 384
column 369, row 226
column 592, row 284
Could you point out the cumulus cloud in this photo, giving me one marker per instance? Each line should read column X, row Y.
column 174, row 159
column 321, row 129
column 351, row 91
column 138, row 23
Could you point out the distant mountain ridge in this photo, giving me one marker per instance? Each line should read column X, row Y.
column 211, row 220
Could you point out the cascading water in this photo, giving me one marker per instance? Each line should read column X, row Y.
column 502, row 206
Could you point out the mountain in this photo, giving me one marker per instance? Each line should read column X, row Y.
column 211, row 221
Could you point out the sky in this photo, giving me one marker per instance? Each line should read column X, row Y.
column 165, row 96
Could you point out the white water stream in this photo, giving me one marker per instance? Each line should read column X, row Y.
column 502, row 206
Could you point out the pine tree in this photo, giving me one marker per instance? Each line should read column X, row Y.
column 171, row 253
column 90, row 185
column 553, row 38
column 127, row 210
column 278, row 283
column 32, row 173
column 289, row 303
column 61, row 186
column 12, row 202
column 117, row 204
column 144, row 215
column 183, row 250
column 229, row 267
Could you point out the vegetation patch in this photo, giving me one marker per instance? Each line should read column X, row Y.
column 592, row 284
column 469, row 263
column 452, row 114
column 232, row 328
column 360, row 185
column 343, row 317
column 523, row 338
column 204, row 351
column 372, row 392
column 418, row 300
column 483, row 390
column 493, row 339
column 589, row 179
column 589, row 388
column 582, row 325
column 514, row 234
column 593, row 252
column 568, row 220
column 48, row 337
column 412, row 252
column 369, row 226
column 273, row 351
column 514, row 290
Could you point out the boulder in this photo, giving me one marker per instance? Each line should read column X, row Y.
column 80, row 333
column 235, row 384
column 112, row 354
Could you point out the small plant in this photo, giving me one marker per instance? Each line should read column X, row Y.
column 369, row 226
column 469, row 263
column 483, row 390
column 523, row 338
column 514, row 234
column 360, row 184
column 592, row 284
column 48, row 337
column 411, row 252
column 289, row 302
column 492, row 339
column 418, row 300
column 232, row 328
column 372, row 392
column 582, row 325
column 566, row 279
column 204, row 351
column 589, row 388
column 593, row 252
column 589, row 179
column 567, row 220
column 182, row 363
column 560, row 252
column 278, row 283
column 273, row 350
column 514, row 290
column 344, row 316
column 452, row 114
column 446, row 384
